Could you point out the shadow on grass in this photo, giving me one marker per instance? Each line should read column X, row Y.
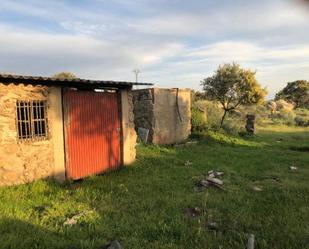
column 300, row 148
column 15, row 233
column 110, row 196
column 140, row 205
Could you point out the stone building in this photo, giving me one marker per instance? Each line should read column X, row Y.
column 166, row 113
column 63, row 128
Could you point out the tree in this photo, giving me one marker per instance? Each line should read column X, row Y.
column 64, row 76
column 232, row 86
column 296, row 92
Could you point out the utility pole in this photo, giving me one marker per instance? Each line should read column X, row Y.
column 136, row 72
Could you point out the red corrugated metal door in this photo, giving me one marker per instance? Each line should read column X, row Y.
column 92, row 130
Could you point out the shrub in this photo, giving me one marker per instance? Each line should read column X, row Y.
column 284, row 117
column 198, row 120
column 236, row 114
column 212, row 113
column 302, row 112
column 232, row 127
column 260, row 111
column 302, row 121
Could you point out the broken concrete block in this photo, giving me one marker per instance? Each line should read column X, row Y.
column 191, row 142
column 73, row 220
column 143, row 134
column 293, row 168
column 250, row 244
column 193, row 212
column 188, row 163
column 257, row 189
column 215, row 181
column 210, row 171
column 212, row 226
column 204, row 183
column 114, row 245
column 219, row 173
column 213, row 173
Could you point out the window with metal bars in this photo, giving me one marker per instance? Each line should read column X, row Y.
column 31, row 120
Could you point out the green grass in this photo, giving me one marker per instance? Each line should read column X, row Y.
column 143, row 206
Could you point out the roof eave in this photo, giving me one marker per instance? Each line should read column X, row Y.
column 78, row 83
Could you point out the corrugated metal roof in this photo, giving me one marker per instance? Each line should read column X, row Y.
column 76, row 82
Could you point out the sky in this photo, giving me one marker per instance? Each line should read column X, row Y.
column 174, row 43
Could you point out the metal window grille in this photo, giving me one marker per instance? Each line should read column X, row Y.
column 31, row 120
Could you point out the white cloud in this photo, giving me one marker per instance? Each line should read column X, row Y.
column 249, row 52
column 167, row 64
column 83, row 28
column 41, row 53
column 237, row 19
column 275, row 66
column 174, row 42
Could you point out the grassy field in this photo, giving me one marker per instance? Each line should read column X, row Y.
column 143, row 206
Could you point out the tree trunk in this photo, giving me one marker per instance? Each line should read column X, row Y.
column 223, row 117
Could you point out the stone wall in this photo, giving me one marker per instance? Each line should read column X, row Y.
column 129, row 134
column 22, row 162
column 143, row 110
column 165, row 112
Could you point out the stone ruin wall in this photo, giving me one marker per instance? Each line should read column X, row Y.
column 156, row 109
column 22, row 162
column 143, row 110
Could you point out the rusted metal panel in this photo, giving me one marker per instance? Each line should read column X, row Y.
column 92, row 131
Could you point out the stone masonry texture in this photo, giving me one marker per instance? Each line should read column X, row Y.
column 165, row 112
column 22, row 162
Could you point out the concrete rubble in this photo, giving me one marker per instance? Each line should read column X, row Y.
column 114, row 245
column 257, row 189
column 193, row 212
column 293, row 168
column 186, row 144
column 212, row 180
column 250, row 244
column 213, row 226
column 188, row 163
column 74, row 219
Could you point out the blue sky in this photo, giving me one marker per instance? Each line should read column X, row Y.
column 175, row 43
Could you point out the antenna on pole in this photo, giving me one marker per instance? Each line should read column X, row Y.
column 136, row 72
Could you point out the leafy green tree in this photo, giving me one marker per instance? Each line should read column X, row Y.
column 296, row 92
column 232, row 86
column 64, row 76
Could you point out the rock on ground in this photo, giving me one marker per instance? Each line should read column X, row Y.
column 114, row 245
